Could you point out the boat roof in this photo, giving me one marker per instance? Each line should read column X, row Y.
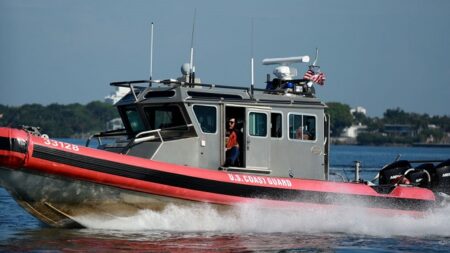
column 159, row 91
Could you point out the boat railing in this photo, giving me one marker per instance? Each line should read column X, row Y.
column 106, row 134
column 146, row 136
column 151, row 135
column 130, row 84
column 140, row 137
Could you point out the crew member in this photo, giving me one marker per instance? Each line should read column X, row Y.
column 232, row 144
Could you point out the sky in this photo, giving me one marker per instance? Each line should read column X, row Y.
column 379, row 54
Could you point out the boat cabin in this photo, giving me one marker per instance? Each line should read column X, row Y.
column 281, row 130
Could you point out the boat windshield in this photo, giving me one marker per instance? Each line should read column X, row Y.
column 165, row 117
column 162, row 116
column 134, row 120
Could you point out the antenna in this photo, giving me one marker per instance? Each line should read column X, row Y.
column 317, row 57
column 285, row 60
column 191, row 62
column 284, row 71
column 151, row 52
column 252, row 62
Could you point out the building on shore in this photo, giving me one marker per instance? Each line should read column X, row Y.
column 358, row 109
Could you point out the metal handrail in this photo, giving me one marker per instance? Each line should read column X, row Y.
column 158, row 131
column 138, row 139
column 170, row 81
column 119, row 132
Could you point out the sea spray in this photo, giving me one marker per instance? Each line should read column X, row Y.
column 251, row 218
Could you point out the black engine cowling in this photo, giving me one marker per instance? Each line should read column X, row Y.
column 441, row 178
column 426, row 175
column 394, row 172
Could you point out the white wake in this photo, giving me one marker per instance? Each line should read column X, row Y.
column 249, row 218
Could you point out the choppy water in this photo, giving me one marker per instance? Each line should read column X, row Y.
column 202, row 229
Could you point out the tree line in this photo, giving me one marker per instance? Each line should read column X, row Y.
column 76, row 120
column 420, row 127
column 60, row 121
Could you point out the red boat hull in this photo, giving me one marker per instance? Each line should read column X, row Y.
column 27, row 153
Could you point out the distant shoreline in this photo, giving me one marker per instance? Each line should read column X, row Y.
column 431, row 145
column 417, row 144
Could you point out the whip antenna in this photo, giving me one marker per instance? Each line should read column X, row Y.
column 252, row 62
column 151, row 52
column 317, row 57
column 191, row 62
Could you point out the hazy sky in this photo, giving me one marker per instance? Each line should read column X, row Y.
column 377, row 54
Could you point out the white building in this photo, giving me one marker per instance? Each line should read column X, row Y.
column 113, row 98
column 359, row 109
column 119, row 93
column 353, row 131
column 349, row 134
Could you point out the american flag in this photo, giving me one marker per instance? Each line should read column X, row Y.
column 318, row 78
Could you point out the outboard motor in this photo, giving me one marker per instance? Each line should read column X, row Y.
column 394, row 172
column 419, row 177
column 429, row 167
column 441, row 181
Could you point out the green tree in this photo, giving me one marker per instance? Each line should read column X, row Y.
column 396, row 116
column 60, row 120
column 340, row 117
column 102, row 111
column 441, row 121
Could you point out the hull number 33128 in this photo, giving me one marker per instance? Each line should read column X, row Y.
column 61, row 144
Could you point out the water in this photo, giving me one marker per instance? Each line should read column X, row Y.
column 202, row 229
column 373, row 158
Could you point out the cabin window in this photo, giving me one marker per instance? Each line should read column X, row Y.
column 258, row 124
column 164, row 93
column 276, row 130
column 163, row 117
column 206, row 117
column 210, row 95
column 309, row 127
column 302, row 127
column 134, row 119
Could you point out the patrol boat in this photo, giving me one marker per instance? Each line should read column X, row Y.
column 172, row 151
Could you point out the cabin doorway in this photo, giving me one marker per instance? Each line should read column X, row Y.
column 253, row 129
column 236, row 116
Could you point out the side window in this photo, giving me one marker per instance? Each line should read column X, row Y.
column 295, row 126
column 302, row 127
column 206, row 117
column 309, row 127
column 258, row 124
column 276, row 130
